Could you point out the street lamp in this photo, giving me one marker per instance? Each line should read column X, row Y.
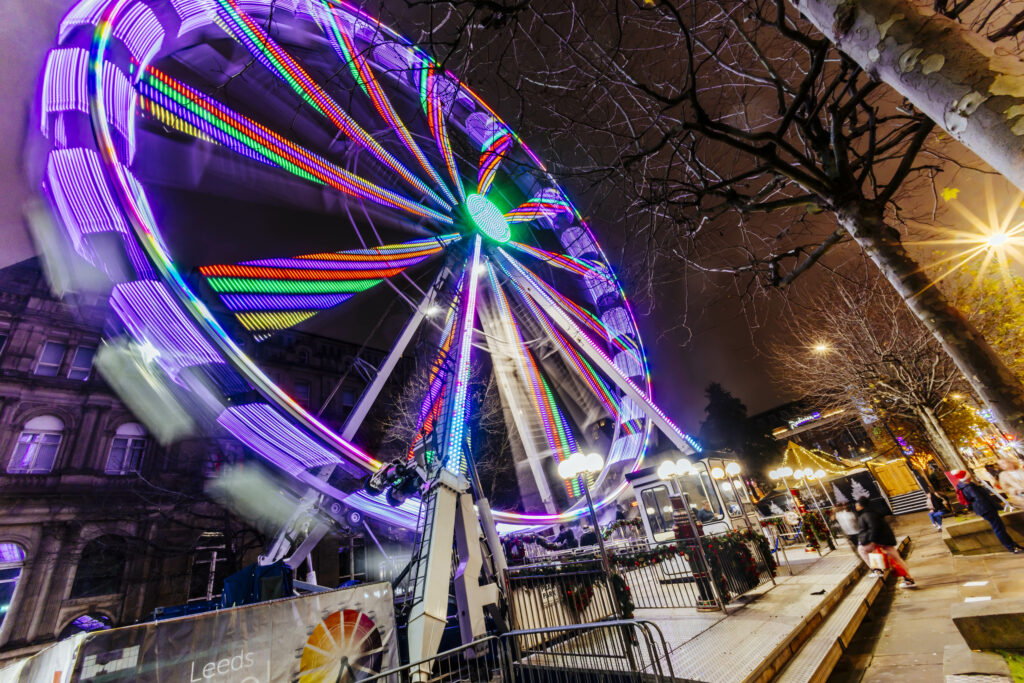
column 820, row 476
column 809, row 475
column 573, row 467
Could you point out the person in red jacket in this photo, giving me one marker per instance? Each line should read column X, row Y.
column 876, row 535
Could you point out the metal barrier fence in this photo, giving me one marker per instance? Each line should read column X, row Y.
column 671, row 574
column 614, row 651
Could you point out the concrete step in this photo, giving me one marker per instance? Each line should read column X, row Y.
column 820, row 653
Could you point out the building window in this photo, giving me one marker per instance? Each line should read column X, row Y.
column 209, row 568
column 37, row 446
column 3, row 341
column 658, row 507
column 100, row 568
column 12, row 559
column 81, row 363
column 126, row 449
column 303, row 356
column 50, row 359
column 348, row 398
column 303, row 391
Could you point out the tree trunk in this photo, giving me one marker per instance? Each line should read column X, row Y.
column 979, row 363
column 943, row 445
column 947, row 71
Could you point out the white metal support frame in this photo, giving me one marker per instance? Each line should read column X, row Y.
column 369, row 396
column 525, row 282
column 450, row 518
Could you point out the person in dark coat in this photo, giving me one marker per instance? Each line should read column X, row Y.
column 937, row 508
column 588, row 538
column 986, row 506
column 876, row 536
column 566, row 539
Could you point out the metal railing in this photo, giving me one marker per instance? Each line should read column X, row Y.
column 620, row 651
column 670, row 574
column 614, row 651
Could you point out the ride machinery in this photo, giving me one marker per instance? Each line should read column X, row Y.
column 238, row 168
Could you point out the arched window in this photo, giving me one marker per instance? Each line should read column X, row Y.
column 37, row 446
column 126, row 449
column 12, row 559
column 101, row 568
column 86, row 623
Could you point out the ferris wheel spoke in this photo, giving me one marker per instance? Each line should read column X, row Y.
column 270, row 54
column 548, row 203
column 458, row 406
column 343, row 41
column 558, row 439
column 370, row 394
column 273, row 294
column 491, row 155
column 437, row 376
column 578, row 266
column 539, row 292
column 189, row 111
column 437, row 93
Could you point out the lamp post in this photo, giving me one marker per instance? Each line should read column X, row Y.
column 782, row 473
column 807, row 476
column 572, row 467
column 820, row 476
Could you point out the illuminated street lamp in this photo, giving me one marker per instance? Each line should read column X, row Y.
column 573, row 467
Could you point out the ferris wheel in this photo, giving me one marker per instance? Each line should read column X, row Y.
column 242, row 167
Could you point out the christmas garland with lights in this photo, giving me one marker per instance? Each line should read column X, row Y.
column 812, row 523
column 621, row 524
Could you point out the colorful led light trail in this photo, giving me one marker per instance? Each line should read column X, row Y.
column 243, row 29
column 454, row 457
column 344, row 45
column 253, row 140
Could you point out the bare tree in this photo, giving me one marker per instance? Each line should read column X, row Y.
column 859, row 349
column 741, row 141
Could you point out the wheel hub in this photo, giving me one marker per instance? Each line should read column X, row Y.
column 487, row 218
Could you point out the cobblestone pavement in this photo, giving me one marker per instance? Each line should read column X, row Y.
column 904, row 638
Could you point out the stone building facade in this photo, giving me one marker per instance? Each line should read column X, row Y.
column 99, row 524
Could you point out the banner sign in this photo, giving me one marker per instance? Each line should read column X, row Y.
column 336, row 635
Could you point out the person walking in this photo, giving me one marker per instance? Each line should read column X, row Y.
column 937, row 508
column 876, row 535
column 986, row 506
column 1011, row 481
column 847, row 521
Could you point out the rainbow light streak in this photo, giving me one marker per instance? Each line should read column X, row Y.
column 252, row 140
column 573, row 265
column 430, row 408
column 557, row 432
column 265, row 431
column 273, row 294
column 454, row 460
column 344, row 45
column 243, row 29
column 493, row 152
column 585, row 317
column 135, row 205
column 536, row 284
column 545, row 205
column 435, row 118
column 583, row 367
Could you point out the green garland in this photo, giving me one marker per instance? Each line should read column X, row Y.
column 818, row 532
column 621, row 524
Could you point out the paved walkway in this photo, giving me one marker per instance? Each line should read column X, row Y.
column 905, row 636
column 708, row 647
